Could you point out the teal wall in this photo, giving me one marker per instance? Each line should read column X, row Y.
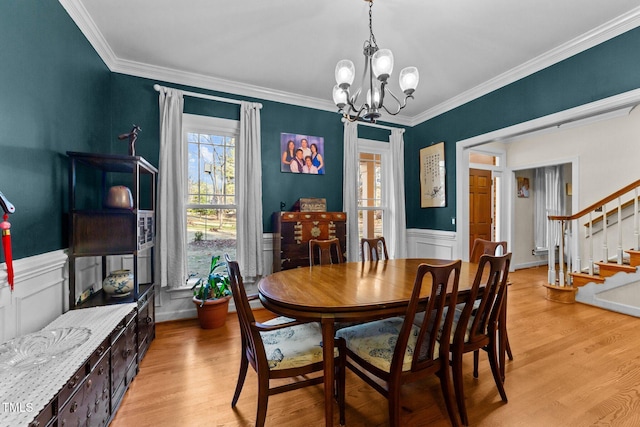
column 605, row 70
column 54, row 97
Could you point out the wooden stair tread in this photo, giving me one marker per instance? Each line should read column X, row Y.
column 608, row 269
column 581, row 279
column 634, row 257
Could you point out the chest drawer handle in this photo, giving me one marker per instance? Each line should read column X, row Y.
column 73, row 382
column 100, row 350
column 148, row 319
column 89, row 383
column 35, row 423
column 74, row 407
column 101, row 370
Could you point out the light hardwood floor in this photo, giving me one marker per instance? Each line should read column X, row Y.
column 574, row 365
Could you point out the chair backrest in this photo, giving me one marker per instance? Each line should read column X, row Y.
column 250, row 337
column 376, row 246
column 486, row 247
column 325, row 252
column 492, row 275
column 444, row 289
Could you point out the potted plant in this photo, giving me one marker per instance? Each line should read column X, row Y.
column 211, row 295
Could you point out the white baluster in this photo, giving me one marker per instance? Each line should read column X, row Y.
column 561, row 253
column 576, row 261
column 636, row 230
column 551, row 256
column 591, row 243
column 605, row 249
column 619, row 252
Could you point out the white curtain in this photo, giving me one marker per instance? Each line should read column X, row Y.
column 398, row 229
column 249, row 191
column 350, row 188
column 171, row 226
column 548, row 199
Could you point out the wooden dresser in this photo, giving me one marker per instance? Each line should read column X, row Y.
column 293, row 230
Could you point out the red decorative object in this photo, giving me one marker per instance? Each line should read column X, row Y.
column 6, row 246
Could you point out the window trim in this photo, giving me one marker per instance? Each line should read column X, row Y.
column 383, row 148
column 210, row 125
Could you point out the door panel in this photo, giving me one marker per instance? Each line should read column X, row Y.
column 479, row 205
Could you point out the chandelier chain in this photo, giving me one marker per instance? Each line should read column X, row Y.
column 372, row 38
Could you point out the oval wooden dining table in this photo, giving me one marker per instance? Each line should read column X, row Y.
column 354, row 291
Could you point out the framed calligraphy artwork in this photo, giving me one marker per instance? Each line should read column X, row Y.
column 432, row 177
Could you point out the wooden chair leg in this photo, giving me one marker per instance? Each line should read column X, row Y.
column 394, row 405
column 445, row 384
column 476, row 356
column 244, row 365
column 263, row 400
column 456, row 367
column 495, row 369
column 340, row 378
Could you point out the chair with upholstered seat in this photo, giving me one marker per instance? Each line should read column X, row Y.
column 488, row 247
column 325, row 252
column 476, row 326
column 376, row 247
column 279, row 348
column 391, row 352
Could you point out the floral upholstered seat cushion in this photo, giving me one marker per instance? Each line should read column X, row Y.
column 375, row 342
column 292, row 347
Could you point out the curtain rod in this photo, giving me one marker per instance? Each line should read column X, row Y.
column 374, row 125
column 158, row 88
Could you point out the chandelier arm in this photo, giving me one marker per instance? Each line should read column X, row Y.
column 401, row 104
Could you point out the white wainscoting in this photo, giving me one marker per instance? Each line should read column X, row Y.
column 40, row 294
column 431, row 244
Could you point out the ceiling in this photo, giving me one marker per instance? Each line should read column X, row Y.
column 286, row 50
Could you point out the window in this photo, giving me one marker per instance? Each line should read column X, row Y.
column 373, row 160
column 211, row 196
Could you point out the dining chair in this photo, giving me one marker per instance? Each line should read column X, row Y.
column 478, row 325
column 481, row 247
column 391, row 352
column 488, row 247
column 279, row 348
column 328, row 252
column 376, row 246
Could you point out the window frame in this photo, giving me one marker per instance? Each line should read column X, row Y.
column 382, row 148
column 192, row 123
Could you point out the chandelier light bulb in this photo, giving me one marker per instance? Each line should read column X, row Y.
column 375, row 102
column 345, row 73
column 339, row 97
column 409, row 78
column 382, row 64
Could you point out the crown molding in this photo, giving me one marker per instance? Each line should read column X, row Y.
column 607, row 31
column 228, row 86
column 598, row 35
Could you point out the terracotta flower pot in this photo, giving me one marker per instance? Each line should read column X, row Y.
column 213, row 313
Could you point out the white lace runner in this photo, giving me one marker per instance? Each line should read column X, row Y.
column 34, row 368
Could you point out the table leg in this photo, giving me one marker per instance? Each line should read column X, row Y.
column 329, row 368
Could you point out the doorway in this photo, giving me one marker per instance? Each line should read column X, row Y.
column 480, row 212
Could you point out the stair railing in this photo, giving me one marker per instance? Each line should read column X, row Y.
column 568, row 232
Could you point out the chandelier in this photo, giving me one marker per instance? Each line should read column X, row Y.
column 378, row 66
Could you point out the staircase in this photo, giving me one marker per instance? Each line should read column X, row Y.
column 614, row 282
